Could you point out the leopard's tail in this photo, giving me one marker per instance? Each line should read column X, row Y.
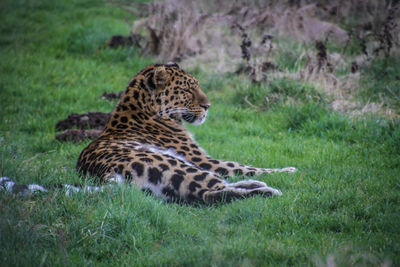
column 8, row 185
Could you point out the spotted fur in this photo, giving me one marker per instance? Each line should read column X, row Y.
column 146, row 143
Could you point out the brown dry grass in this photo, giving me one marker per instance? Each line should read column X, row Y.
column 235, row 36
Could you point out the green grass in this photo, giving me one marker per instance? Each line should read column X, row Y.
column 383, row 82
column 344, row 202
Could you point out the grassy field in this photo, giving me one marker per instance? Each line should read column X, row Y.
column 342, row 207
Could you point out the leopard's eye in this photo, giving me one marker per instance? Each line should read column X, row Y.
column 185, row 90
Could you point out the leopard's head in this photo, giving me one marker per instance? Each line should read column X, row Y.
column 176, row 94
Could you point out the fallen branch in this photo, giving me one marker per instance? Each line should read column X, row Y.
column 111, row 95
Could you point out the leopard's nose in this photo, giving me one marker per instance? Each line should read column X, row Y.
column 205, row 106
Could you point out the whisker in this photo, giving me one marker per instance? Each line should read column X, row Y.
column 171, row 111
column 177, row 110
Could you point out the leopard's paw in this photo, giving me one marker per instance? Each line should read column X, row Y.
column 248, row 184
column 271, row 191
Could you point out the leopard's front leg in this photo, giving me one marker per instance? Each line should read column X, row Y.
column 230, row 168
column 225, row 168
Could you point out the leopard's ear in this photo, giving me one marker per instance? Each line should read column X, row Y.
column 159, row 78
column 173, row 64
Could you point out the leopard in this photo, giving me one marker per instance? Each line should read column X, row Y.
column 146, row 144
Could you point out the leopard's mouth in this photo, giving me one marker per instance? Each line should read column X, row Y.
column 194, row 119
column 189, row 117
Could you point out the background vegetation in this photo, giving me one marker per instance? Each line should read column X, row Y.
column 341, row 208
